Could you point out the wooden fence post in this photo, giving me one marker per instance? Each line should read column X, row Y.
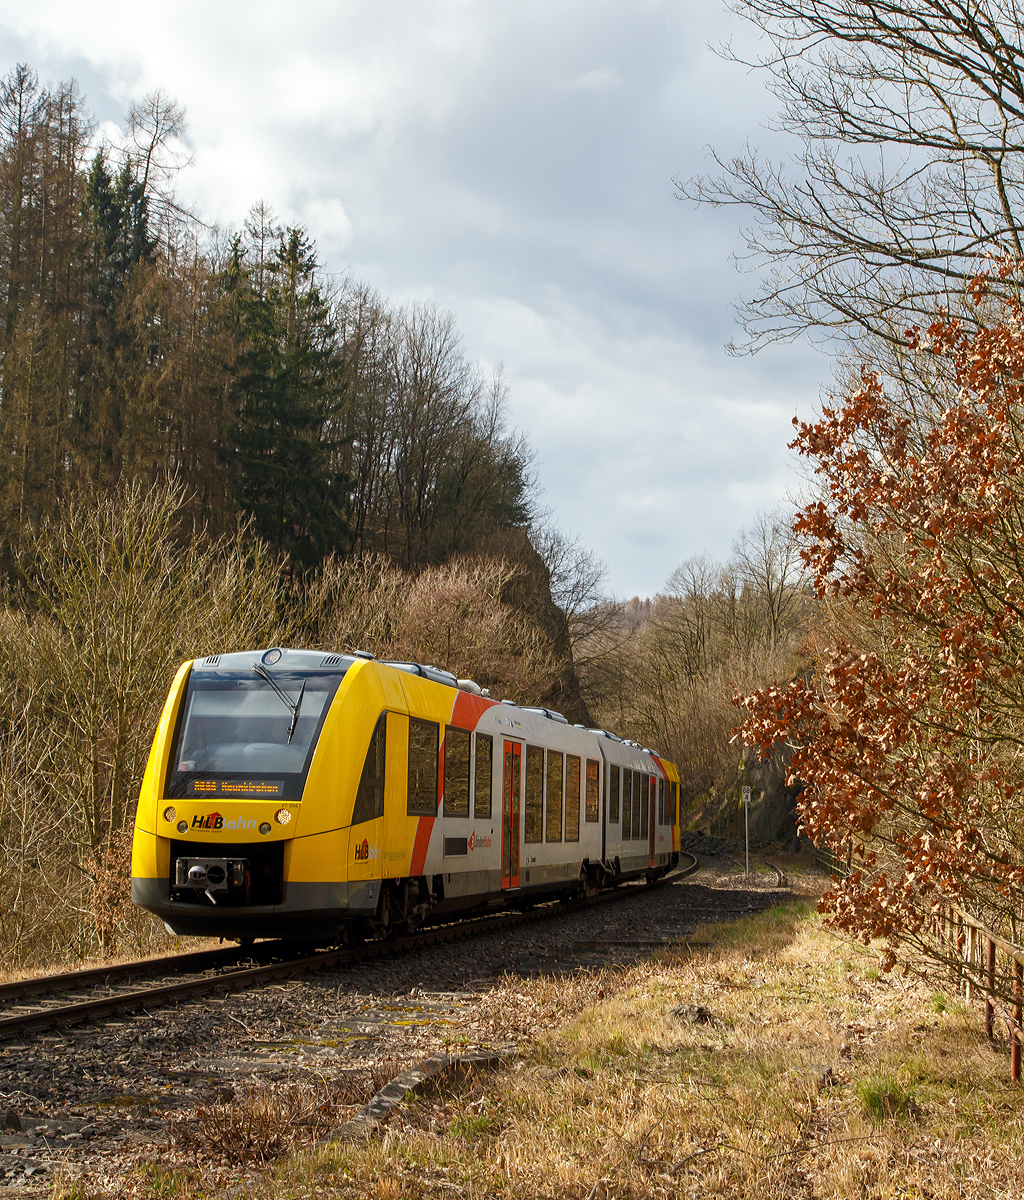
column 1018, row 975
column 989, row 1007
column 969, row 959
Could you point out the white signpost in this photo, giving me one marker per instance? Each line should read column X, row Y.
column 746, row 822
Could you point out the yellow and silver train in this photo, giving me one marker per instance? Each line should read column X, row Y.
column 292, row 793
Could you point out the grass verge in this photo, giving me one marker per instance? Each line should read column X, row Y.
column 775, row 1063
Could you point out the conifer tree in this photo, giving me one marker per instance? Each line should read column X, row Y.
column 289, row 394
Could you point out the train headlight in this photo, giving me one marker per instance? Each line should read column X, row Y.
column 183, row 826
column 282, row 816
column 265, row 828
column 169, row 814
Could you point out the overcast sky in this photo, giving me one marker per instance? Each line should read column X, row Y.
column 513, row 161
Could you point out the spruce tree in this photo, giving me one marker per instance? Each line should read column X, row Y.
column 289, row 395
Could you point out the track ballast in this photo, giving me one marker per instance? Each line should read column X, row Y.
column 233, row 969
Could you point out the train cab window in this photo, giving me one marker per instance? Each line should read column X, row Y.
column 675, row 805
column 533, row 808
column 593, row 790
column 627, row 805
column 613, row 795
column 482, row 775
column 456, row 772
column 639, row 801
column 423, row 758
column 572, row 798
column 370, row 793
column 645, row 806
column 553, row 797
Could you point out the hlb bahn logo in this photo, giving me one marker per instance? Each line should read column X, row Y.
column 364, row 851
column 214, row 820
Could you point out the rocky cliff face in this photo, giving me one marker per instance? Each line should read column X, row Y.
column 531, row 594
column 773, row 814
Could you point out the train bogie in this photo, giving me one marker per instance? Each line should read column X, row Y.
column 292, row 793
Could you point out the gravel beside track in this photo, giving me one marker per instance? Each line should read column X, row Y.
column 100, row 1096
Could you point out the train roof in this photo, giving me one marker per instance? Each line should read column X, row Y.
column 282, row 658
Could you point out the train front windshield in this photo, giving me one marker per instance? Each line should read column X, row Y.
column 249, row 735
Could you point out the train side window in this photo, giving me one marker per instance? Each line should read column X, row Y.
column 661, row 802
column 572, row 798
column 638, row 803
column 533, row 809
column 645, row 804
column 613, row 796
column 593, row 790
column 482, row 775
column 456, row 772
column 553, row 797
column 627, row 805
column 423, row 759
column 370, row 793
column 675, row 804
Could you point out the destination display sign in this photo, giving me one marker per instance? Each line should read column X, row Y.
column 257, row 789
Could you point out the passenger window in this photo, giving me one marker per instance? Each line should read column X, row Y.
column 613, row 796
column 638, row 803
column 482, row 776
column 674, row 815
column 593, row 790
column 661, row 802
column 533, row 814
column 572, row 798
column 645, row 803
column 456, row 772
column 370, row 793
column 627, row 805
column 553, row 798
column 423, row 759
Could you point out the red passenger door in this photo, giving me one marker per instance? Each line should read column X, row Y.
column 512, row 762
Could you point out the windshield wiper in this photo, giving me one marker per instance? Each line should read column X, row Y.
column 293, row 707
column 295, row 713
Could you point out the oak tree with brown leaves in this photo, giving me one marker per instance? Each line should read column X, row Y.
column 909, row 731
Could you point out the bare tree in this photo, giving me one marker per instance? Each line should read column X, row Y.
column 768, row 562
column 155, row 147
column 719, row 628
column 577, row 578
column 910, row 176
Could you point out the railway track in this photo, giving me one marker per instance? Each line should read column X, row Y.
column 46, row 1002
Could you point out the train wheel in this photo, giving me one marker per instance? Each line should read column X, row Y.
column 384, row 920
column 352, row 934
column 588, row 883
column 413, row 907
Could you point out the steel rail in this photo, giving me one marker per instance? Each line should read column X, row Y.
column 197, row 960
column 244, row 977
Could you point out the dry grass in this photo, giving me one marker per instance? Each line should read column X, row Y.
column 793, row 1069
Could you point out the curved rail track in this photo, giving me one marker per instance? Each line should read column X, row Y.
column 70, row 998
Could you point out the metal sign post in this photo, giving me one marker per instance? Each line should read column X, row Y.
column 746, row 822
